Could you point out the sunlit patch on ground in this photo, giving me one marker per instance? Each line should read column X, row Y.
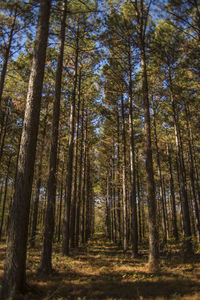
column 102, row 271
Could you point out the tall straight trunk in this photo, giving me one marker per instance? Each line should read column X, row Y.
column 166, row 205
column 181, row 166
column 119, row 235
column 83, row 223
column 108, row 221
column 142, row 14
column 6, row 55
column 139, row 201
column 46, row 259
column 124, row 189
column 79, row 200
column 36, row 206
column 180, row 196
column 14, row 277
column 111, row 199
column 192, row 174
column 191, row 210
column 152, row 209
column 60, row 204
column 38, row 184
column 161, row 198
column 92, row 221
column 114, row 198
column 195, row 164
column 1, row 190
column 88, row 200
column 134, row 223
column 196, row 169
column 197, row 173
column 4, row 131
column 173, row 201
column 5, row 198
column 74, row 196
column 69, row 177
column 9, row 208
column 2, row 120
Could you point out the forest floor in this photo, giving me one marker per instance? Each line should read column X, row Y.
column 102, row 271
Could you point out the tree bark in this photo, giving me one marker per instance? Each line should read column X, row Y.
column 74, row 196
column 119, row 235
column 83, row 217
column 161, row 194
column 5, row 198
column 46, row 259
column 124, row 189
column 181, row 166
column 78, row 210
column 60, row 204
column 153, row 232
column 142, row 13
column 6, row 56
column 69, row 177
column 4, row 131
column 88, row 200
column 139, row 202
column 192, row 173
column 173, row 201
column 134, row 223
column 108, row 221
column 38, row 185
column 14, row 277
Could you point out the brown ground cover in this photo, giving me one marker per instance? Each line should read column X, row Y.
column 102, row 271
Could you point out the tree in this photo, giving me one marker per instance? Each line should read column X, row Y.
column 142, row 15
column 46, row 264
column 14, row 277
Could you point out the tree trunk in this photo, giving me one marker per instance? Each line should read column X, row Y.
column 108, row 221
column 114, row 197
column 139, row 202
column 78, row 210
column 83, row 220
column 142, row 13
column 6, row 56
column 88, row 200
column 69, row 177
column 5, row 198
column 134, row 223
column 161, row 198
column 124, row 189
column 14, row 277
column 192, row 174
column 4, row 135
column 60, row 204
column 38, row 184
column 181, row 166
column 152, row 209
column 74, row 196
column 46, row 259
column 1, row 190
column 173, row 201
column 119, row 236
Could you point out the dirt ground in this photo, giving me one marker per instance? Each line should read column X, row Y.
column 102, row 271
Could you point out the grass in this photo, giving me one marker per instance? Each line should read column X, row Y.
column 102, row 271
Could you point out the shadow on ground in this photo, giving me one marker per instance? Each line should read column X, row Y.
column 106, row 286
column 102, row 271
